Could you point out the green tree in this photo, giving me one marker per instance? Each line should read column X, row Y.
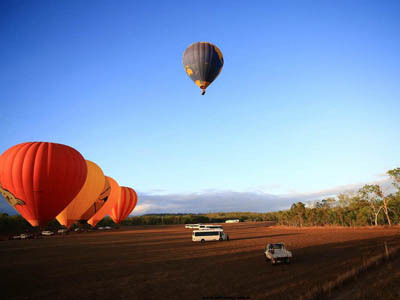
column 298, row 212
column 372, row 194
column 395, row 176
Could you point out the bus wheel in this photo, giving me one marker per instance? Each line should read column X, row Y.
column 221, row 239
column 203, row 241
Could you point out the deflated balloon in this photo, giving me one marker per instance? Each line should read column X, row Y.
column 203, row 62
column 89, row 193
column 115, row 194
column 40, row 179
column 101, row 199
column 124, row 205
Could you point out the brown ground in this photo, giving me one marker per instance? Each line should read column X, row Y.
column 161, row 262
column 379, row 282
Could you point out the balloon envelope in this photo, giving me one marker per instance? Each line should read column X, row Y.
column 101, row 199
column 125, row 204
column 115, row 194
column 40, row 179
column 89, row 193
column 203, row 62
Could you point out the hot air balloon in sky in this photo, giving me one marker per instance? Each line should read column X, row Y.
column 101, row 199
column 89, row 193
column 115, row 194
column 124, row 206
column 203, row 62
column 40, row 179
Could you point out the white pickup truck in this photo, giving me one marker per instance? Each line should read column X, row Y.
column 277, row 253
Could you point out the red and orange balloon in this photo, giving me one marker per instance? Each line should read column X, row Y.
column 125, row 205
column 40, row 179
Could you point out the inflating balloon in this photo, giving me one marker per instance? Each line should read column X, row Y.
column 86, row 197
column 124, row 205
column 40, row 179
column 203, row 62
column 115, row 194
column 101, row 199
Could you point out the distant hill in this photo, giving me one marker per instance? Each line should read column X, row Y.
column 6, row 208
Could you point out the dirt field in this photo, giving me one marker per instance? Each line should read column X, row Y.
column 161, row 262
column 379, row 282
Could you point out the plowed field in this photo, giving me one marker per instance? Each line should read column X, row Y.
column 161, row 262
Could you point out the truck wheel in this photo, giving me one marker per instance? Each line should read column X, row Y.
column 202, row 241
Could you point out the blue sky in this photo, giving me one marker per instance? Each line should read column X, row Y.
column 307, row 101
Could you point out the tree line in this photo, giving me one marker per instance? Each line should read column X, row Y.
column 368, row 206
column 169, row 219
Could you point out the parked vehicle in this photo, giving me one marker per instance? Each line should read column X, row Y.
column 107, row 228
column 209, row 235
column 101, row 228
column 25, row 236
column 192, row 225
column 210, row 227
column 277, row 253
column 47, row 232
column 232, row 221
column 62, row 231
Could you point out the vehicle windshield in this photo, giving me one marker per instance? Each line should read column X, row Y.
column 275, row 246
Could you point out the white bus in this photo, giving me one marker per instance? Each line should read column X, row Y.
column 208, row 227
column 196, row 226
column 192, row 226
column 232, row 221
column 209, row 235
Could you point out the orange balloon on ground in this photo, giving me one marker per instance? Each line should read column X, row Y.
column 124, row 205
column 89, row 193
column 40, row 179
column 115, row 194
column 101, row 199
